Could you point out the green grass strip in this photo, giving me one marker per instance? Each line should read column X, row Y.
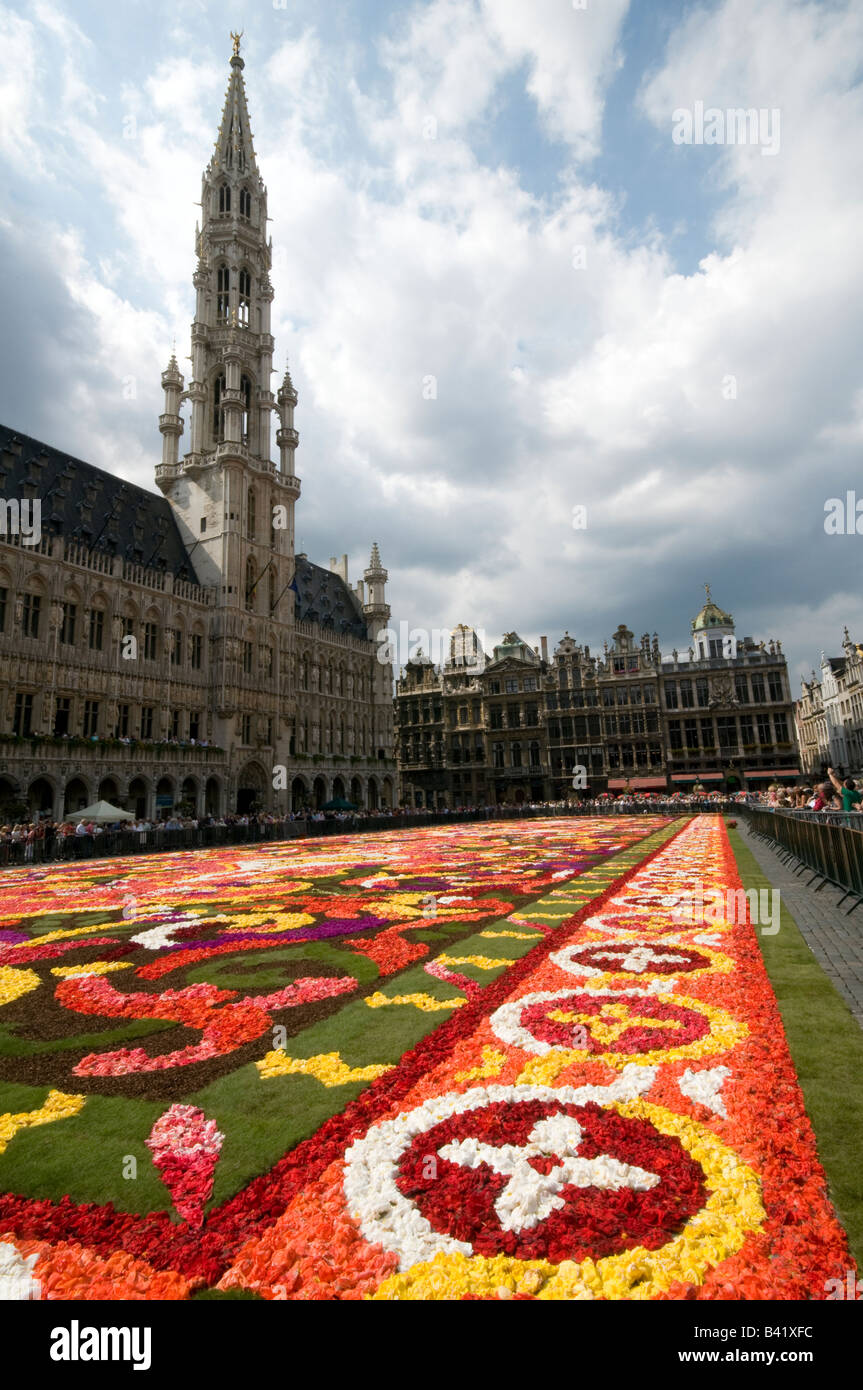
column 826, row 1045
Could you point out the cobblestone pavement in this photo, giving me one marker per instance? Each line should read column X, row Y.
column 835, row 940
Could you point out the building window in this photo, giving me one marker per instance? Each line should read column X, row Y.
column 68, row 625
column 97, row 629
column 516, row 755
column 764, row 734
column 175, row 724
column 203, row 524
column 150, row 641
column 246, row 729
column 218, row 409
column 649, row 694
column 91, row 717
column 675, row 737
column 747, row 735
column 245, row 204
column 194, row 725
column 23, row 717
column 247, row 659
column 123, row 721
column 715, row 646
column 245, row 297
column 496, row 716
column 30, row 620
column 741, row 688
column 691, row 729
column 147, row 714
column 531, row 716
column 223, row 294
column 497, row 754
column 780, row 724
column 726, row 727
column 225, row 198
column 62, row 715
column 534, row 755
column 4, row 595
column 687, row 700
column 246, row 389
column 530, row 682
column 622, row 695
column 759, row 694
column 251, row 515
column 775, row 682
column 494, row 688
column 511, row 687
column 250, row 584
column 196, row 651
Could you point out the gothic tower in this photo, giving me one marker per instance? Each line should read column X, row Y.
column 234, row 506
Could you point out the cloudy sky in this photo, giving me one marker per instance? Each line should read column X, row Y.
column 506, row 290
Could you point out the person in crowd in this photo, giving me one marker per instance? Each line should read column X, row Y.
column 848, row 793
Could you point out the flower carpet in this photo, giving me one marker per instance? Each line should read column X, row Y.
column 459, row 1062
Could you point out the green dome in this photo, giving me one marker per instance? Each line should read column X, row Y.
column 711, row 615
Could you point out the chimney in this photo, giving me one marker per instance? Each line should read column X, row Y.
column 543, row 642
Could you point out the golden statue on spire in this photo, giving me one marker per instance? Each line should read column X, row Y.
column 236, row 38
column 707, row 591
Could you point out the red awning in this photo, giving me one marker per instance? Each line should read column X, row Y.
column 773, row 772
column 696, row 776
column 637, row 783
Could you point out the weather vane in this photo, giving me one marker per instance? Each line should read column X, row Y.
column 236, row 38
column 707, row 591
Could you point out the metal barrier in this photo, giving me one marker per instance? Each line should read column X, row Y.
column 829, row 843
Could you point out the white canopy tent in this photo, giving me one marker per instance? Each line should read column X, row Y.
column 102, row 812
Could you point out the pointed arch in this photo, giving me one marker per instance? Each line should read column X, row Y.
column 245, row 204
column 224, row 198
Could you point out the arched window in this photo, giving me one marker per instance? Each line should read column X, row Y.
column 246, row 388
column 245, row 203
column 516, row 755
column 245, row 299
column 218, row 409
column 223, row 296
column 251, row 515
column 534, row 754
column 225, row 198
column 250, row 584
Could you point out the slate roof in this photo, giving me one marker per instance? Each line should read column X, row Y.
column 85, row 504
column 322, row 597
column 95, row 508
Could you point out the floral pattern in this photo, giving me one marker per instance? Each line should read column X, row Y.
column 588, row 1099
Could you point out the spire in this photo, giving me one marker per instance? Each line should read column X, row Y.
column 375, row 561
column 234, row 152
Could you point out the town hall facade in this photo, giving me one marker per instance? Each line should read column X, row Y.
column 174, row 652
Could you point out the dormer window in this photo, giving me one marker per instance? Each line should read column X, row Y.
column 245, row 204
column 224, row 199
